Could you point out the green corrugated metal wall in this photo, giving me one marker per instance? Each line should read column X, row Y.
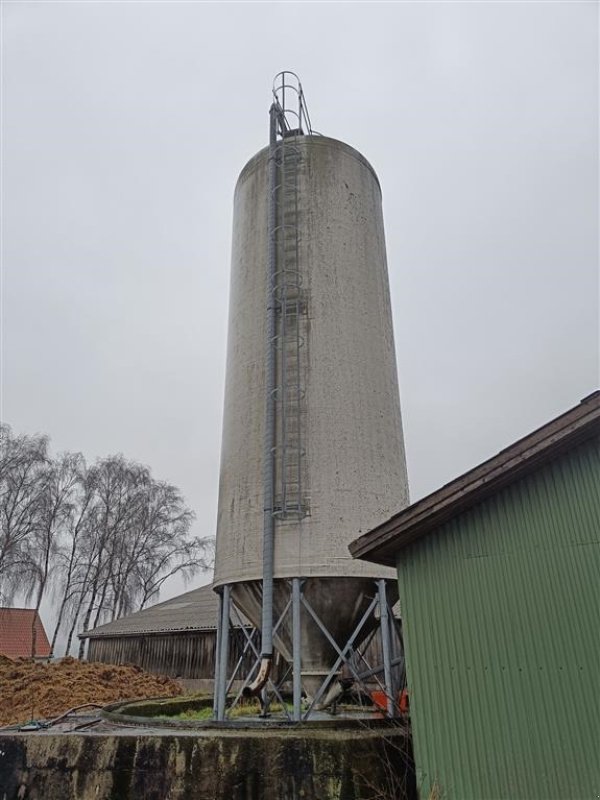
column 501, row 616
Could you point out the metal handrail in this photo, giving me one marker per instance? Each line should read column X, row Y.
column 288, row 83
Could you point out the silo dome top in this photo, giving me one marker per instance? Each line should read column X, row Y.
column 293, row 125
column 311, row 141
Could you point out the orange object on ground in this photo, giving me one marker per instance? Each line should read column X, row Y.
column 380, row 699
column 404, row 704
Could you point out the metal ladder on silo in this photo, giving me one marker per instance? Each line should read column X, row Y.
column 289, row 392
column 290, row 303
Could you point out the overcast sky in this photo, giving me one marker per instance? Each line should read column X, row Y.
column 124, row 128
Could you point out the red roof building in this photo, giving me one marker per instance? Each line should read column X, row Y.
column 16, row 633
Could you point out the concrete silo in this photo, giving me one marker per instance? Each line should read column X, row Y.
column 312, row 451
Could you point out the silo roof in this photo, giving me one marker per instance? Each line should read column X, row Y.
column 192, row 611
column 381, row 544
column 312, row 140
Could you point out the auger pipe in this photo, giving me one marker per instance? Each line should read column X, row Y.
column 269, row 435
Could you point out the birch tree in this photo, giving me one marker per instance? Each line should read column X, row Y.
column 23, row 466
column 57, row 484
column 70, row 555
column 104, row 539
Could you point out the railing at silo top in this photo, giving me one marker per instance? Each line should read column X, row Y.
column 289, row 100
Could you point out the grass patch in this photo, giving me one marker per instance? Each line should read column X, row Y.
column 190, row 714
column 244, row 709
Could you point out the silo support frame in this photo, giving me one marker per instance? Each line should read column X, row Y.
column 223, row 654
column 349, row 657
column 386, row 645
column 218, row 689
column 297, row 648
column 249, row 635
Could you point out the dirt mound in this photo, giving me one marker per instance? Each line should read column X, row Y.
column 42, row 691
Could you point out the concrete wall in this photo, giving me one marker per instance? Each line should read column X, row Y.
column 334, row 765
column 355, row 464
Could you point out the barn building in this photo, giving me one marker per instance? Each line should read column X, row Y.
column 498, row 582
column 176, row 637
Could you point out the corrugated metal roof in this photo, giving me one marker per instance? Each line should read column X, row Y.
column 193, row 611
column 500, row 619
column 16, row 633
column 526, row 455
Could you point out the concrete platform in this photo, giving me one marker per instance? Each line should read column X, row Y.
column 281, row 762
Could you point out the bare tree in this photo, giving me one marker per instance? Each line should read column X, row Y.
column 57, row 483
column 113, row 479
column 70, row 555
column 142, row 537
column 158, row 544
column 23, row 466
column 185, row 559
column 103, row 538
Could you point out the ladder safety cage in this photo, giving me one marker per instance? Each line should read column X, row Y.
column 288, row 97
column 288, row 300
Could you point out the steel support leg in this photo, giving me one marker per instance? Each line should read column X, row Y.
column 385, row 642
column 396, row 651
column 297, row 645
column 342, row 654
column 217, row 656
column 221, row 691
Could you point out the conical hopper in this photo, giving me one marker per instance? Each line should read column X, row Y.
column 339, row 603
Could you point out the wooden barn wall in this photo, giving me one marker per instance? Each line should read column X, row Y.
column 190, row 654
column 184, row 655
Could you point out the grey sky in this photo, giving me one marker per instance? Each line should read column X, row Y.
column 124, row 128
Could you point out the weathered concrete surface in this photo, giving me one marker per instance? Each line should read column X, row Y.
column 352, row 432
column 245, row 765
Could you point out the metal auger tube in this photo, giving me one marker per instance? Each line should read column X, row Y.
column 269, row 437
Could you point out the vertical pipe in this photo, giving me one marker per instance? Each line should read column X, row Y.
column 269, row 438
column 296, row 644
column 385, row 642
column 217, row 661
column 224, row 654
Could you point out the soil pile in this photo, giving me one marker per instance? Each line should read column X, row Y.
column 42, row 691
